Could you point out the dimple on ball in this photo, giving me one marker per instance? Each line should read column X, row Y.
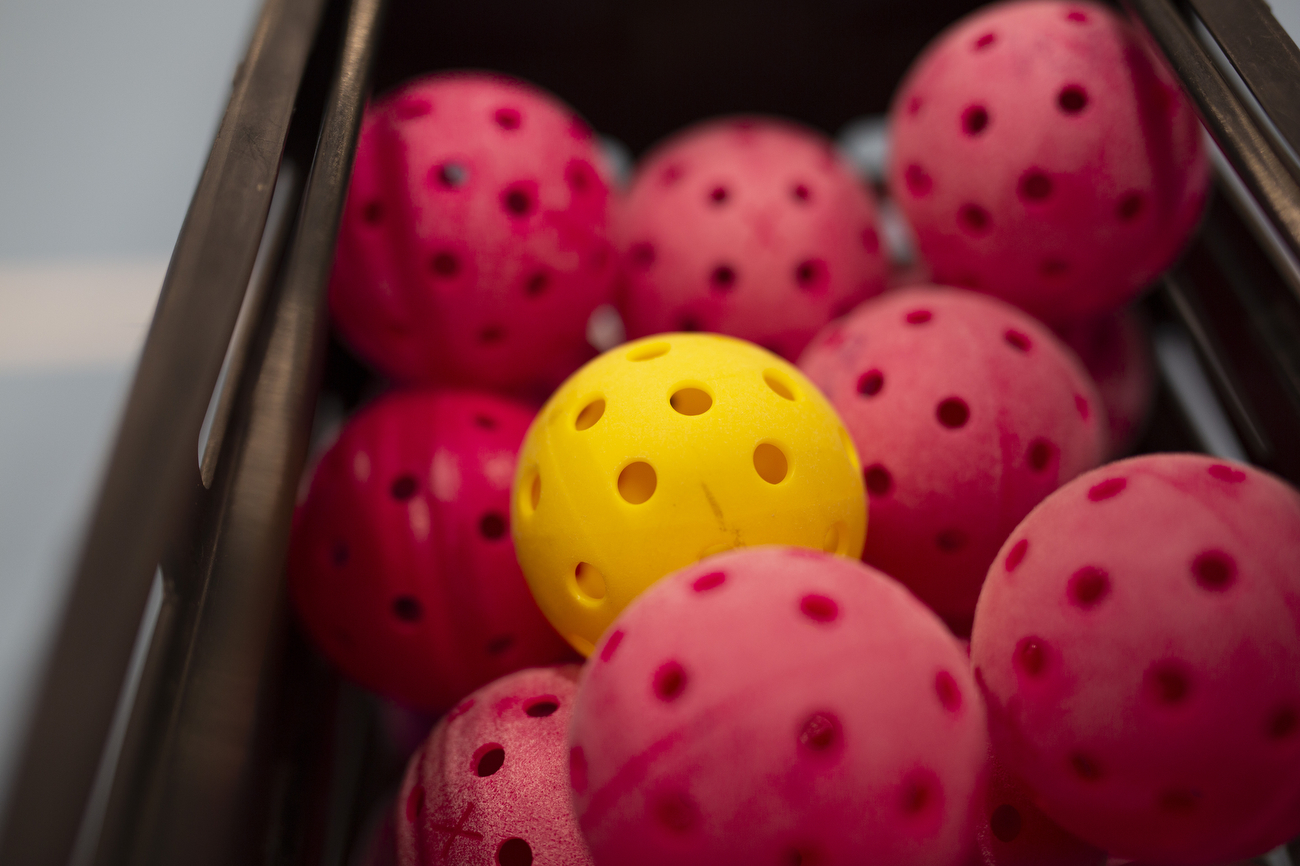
column 401, row 565
column 752, row 227
column 1043, row 156
column 777, row 705
column 966, row 412
column 666, row 450
column 490, row 787
column 474, row 243
column 1138, row 642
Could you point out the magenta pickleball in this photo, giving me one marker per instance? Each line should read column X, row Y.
column 1116, row 352
column 474, row 243
column 1138, row 641
column 965, row 412
column 1012, row 831
column 490, row 787
column 401, row 565
column 753, row 227
column 1043, row 156
column 777, row 705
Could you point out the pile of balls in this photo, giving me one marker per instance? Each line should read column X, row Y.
column 808, row 572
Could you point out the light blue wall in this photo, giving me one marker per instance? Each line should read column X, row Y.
column 107, row 108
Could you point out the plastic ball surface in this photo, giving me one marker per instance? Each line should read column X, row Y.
column 1116, row 352
column 1012, row 831
column 401, row 565
column 752, row 227
column 490, row 785
column 474, row 243
column 666, row 450
column 966, row 412
column 1044, row 157
column 1138, row 642
column 777, row 705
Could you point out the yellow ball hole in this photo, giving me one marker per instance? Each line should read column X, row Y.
column 529, row 491
column 582, row 645
column 691, row 401
column 589, row 415
column 778, row 382
column 590, row 582
column 771, row 463
column 834, row 538
column 637, row 482
column 849, row 448
column 648, row 351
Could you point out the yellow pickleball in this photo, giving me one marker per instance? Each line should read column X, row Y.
column 666, row 450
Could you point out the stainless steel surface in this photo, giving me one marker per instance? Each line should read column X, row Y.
column 1264, row 56
column 1246, row 147
column 152, row 471
column 1193, row 320
column 202, row 779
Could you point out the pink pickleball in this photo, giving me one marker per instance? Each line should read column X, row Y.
column 1138, row 641
column 1116, row 352
column 474, row 243
column 1043, row 156
column 753, row 227
column 965, row 412
column 490, row 787
column 401, row 565
column 777, row 705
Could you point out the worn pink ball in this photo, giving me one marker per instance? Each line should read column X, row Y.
column 400, row 560
column 752, row 227
column 1116, row 353
column 1138, row 641
column 1044, row 157
column 965, row 412
column 490, row 787
column 777, row 705
column 474, row 242
column 1012, row 831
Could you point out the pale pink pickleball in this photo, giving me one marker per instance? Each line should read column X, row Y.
column 490, row 787
column 1138, row 642
column 1044, row 157
column 474, row 243
column 965, row 412
column 401, row 565
column 777, row 705
column 1116, row 352
column 753, row 227
column 1012, row 831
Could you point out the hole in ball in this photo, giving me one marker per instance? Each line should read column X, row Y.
column 514, row 852
column 690, row 401
column 779, row 383
column 771, row 464
column 637, row 482
column 953, row 413
column 590, row 414
column 1072, row 99
column 539, row 708
column 589, row 580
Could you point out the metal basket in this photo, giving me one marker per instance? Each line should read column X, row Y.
column 181, row 718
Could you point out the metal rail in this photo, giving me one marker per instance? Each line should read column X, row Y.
column 1263, row 55
column 1248, row 149
column 202, row 789
column 152, row 473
